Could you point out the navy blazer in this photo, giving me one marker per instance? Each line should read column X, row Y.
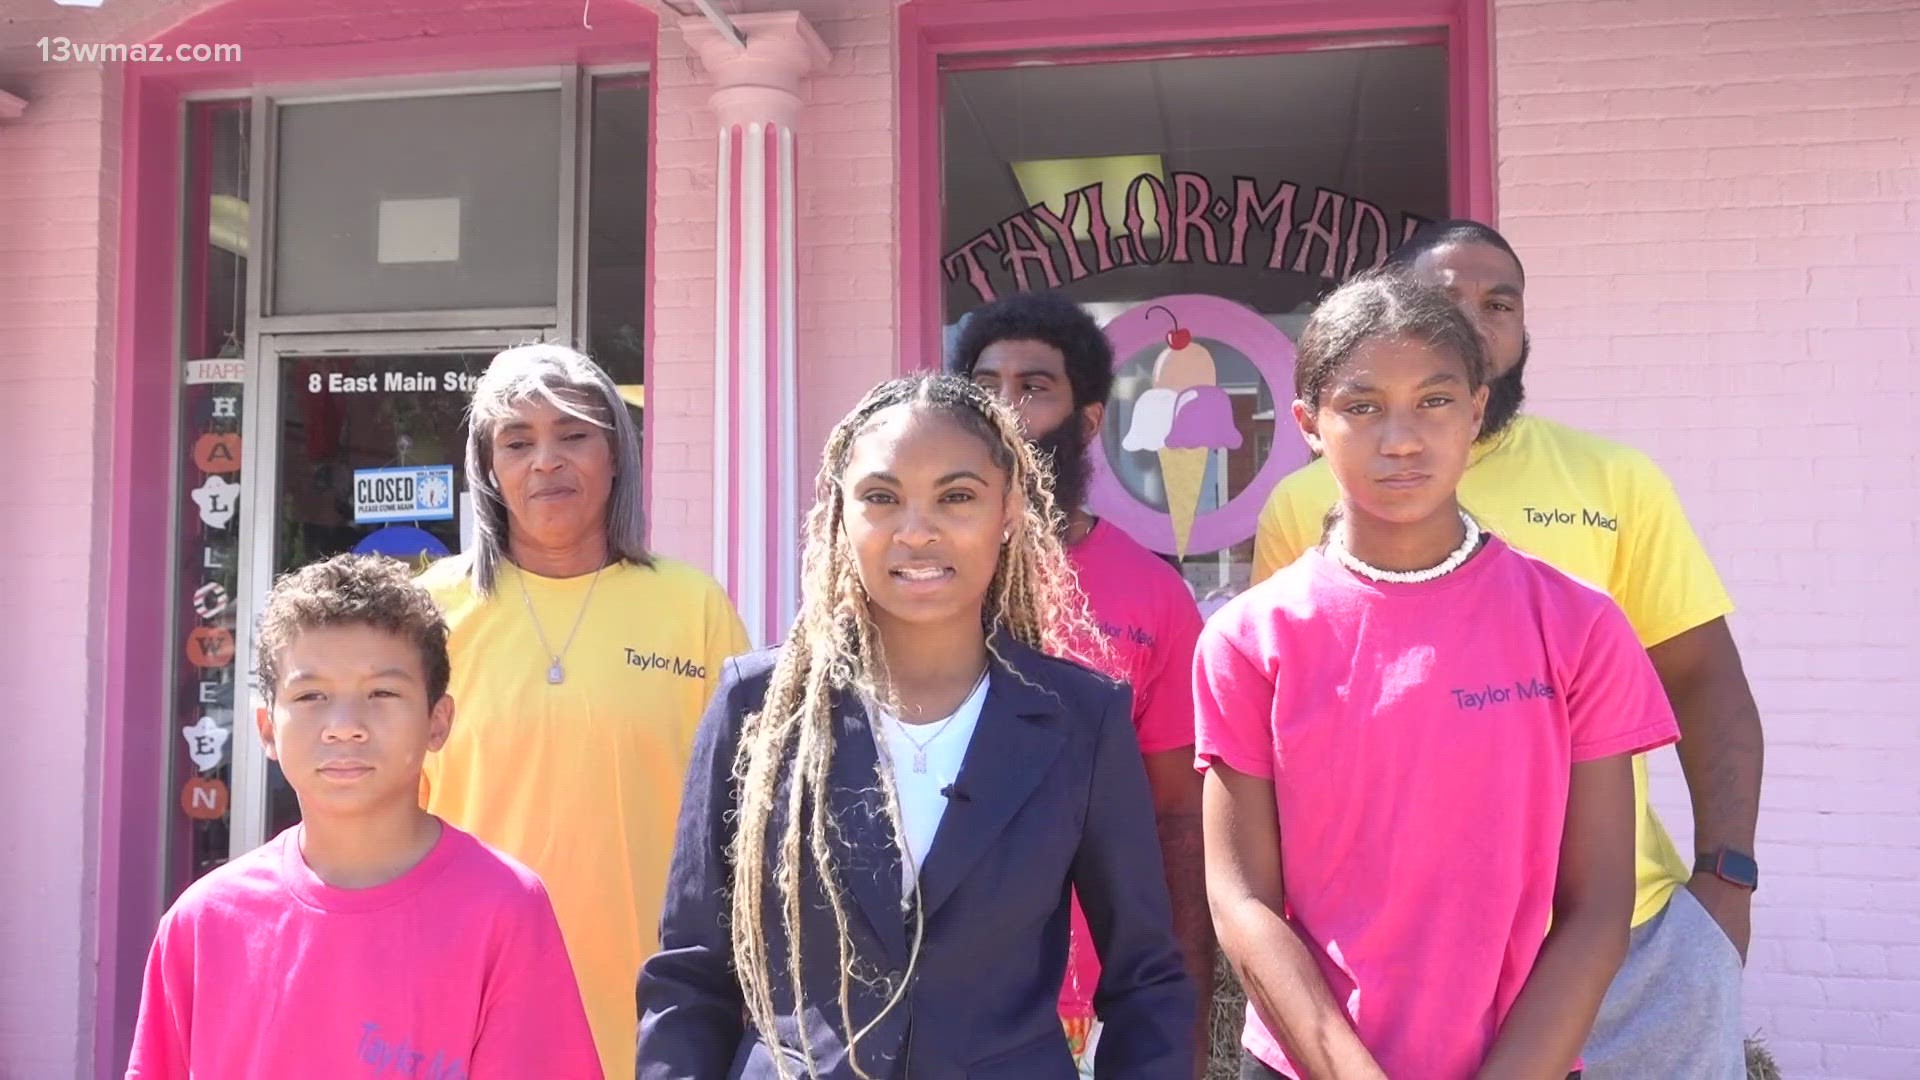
column 1052, row 793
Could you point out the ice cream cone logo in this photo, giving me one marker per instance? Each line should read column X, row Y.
column 1183, row 418
column 1186, row 414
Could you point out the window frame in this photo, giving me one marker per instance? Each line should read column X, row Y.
column 937, row 36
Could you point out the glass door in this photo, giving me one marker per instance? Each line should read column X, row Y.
column 367, row 440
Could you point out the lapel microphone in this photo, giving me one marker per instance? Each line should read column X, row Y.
column 953, row 793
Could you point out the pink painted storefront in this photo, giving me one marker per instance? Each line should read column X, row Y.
column 244, row 280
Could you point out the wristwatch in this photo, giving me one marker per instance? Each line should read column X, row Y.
column 1733, row 867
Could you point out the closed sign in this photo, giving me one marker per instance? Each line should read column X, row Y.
column 408, row 493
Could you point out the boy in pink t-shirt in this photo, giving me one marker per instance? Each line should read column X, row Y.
column 1417, row 744
column 371, row 940
column 1044, row 356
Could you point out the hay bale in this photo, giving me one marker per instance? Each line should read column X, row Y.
column 1229, row 1013
column 1760, row 1063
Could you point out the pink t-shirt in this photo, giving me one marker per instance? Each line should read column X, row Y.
column 1420, row 739
column 453, row 971
column 1150, row 621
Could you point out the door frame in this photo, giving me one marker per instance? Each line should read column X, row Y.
column 135, row 775
column 260, row 424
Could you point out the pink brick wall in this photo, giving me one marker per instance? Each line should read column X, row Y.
column 1719, row 205
column 849, row 269
column 679, row 391
column 845, row 167
column 57, row 280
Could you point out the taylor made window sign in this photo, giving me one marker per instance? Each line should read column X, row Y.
column 404, row 493
column 1187, row 220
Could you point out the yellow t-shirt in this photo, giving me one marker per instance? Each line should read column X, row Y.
column 581, row 780
column 1592, row 509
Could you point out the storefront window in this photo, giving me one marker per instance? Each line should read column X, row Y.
column 1201, row 200
column 443, row 201
column 206, row 606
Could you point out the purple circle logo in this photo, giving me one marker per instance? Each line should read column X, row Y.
column 1185, row 418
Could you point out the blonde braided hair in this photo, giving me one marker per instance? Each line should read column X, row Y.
column 834, row 648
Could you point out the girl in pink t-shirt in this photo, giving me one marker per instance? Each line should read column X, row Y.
column 1417, row 744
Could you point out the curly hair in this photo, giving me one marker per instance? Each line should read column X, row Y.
column 353, row 590
column 834, row 648
column 1052, row 319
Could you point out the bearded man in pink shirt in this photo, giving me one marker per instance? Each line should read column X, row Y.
column 1048, row 360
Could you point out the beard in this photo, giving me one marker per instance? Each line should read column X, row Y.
column 1066, row 456
column 1505, row 395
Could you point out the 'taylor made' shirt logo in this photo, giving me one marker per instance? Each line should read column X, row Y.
column 654, row 661
column 1548, row 518
column 1129, row 633
column 1491, row 695
column 382, row 1055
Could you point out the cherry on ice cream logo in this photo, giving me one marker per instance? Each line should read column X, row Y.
column 1185, row 416
column 1183, row 420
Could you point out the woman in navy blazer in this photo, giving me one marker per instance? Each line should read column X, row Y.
column 883, row 818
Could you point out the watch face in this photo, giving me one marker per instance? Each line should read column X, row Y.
column 1738, row 869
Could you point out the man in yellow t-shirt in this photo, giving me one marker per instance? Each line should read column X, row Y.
column 1606, row 514
column 582, row 664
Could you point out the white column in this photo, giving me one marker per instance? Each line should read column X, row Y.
column 757, row 474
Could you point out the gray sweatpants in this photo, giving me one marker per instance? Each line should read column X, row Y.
column 1673, row 1012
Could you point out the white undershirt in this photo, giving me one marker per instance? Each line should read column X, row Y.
column 921, row 803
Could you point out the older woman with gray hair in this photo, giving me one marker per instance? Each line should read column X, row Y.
column 581, row 665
